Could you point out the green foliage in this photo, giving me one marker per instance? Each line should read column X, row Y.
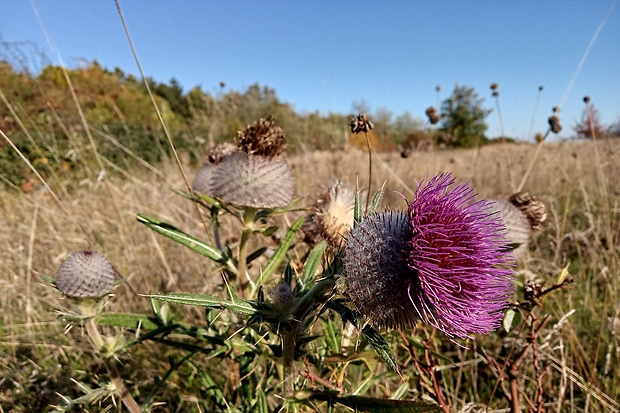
column 463, row 117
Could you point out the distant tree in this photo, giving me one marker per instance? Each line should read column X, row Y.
column 173, row 93
column 463, row 117
column 590, row 126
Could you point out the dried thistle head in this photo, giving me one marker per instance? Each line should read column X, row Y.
column 534, row 209
column 494, row 86
column 361, row 123
column 437, row 88
column 540, row 88
column 202, row 180
column 252, row 180
column 554, row 124
column 495, row 93
column 85, row 274
column 586, row 99
column 220, row 151
column 264, row 137
column 331, row 218
column 433, row 116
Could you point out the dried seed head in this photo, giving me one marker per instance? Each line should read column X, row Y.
column 221, row 151
column 540, row 88
column 202, row 180
column 494, row 86
column 534, row 209
column 282, row 296
column 554, row 124
column 251, row 180
column 264, row 137
column 85, row 274
column 331, row 218
column 361, row 123
column 517, row 226
column 437, row 88
column 586, row 99
column 433, row 116
column 495, row 93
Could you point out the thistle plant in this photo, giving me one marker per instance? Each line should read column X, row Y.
column 87, row 277
column 440, row 264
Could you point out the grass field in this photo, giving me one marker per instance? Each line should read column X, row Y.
column 577, row 353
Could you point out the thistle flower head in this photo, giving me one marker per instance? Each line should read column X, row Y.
column 554, row 123
column 433, row 116
column 253, row 180
column 85, row 274
column 332, row 216
column 264, row 137
column 361, row 123
column 437, row 263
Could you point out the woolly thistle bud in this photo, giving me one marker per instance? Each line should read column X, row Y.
column 282, row 296
column 85, row 274
column 251, row 180
column 437, row 263
column 554, row 124
column 264, row 137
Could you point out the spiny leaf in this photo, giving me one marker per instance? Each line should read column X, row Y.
column 313, row 261
column 278, row 256
column 182, row 238
column 357, row 209
column 203, row 300
column 376, row 201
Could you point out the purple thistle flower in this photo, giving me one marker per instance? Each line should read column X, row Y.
column 437, row 263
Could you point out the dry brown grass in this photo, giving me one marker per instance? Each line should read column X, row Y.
column 579, row 181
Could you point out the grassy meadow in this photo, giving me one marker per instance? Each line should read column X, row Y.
column 576, row 358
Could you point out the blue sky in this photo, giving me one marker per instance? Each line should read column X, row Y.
column 326, row 55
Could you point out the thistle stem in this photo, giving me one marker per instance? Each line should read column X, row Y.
column 369, row 168
column 98, row 342
column 248, row 222
column 288, row 360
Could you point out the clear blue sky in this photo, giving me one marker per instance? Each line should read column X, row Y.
column 327, row 55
